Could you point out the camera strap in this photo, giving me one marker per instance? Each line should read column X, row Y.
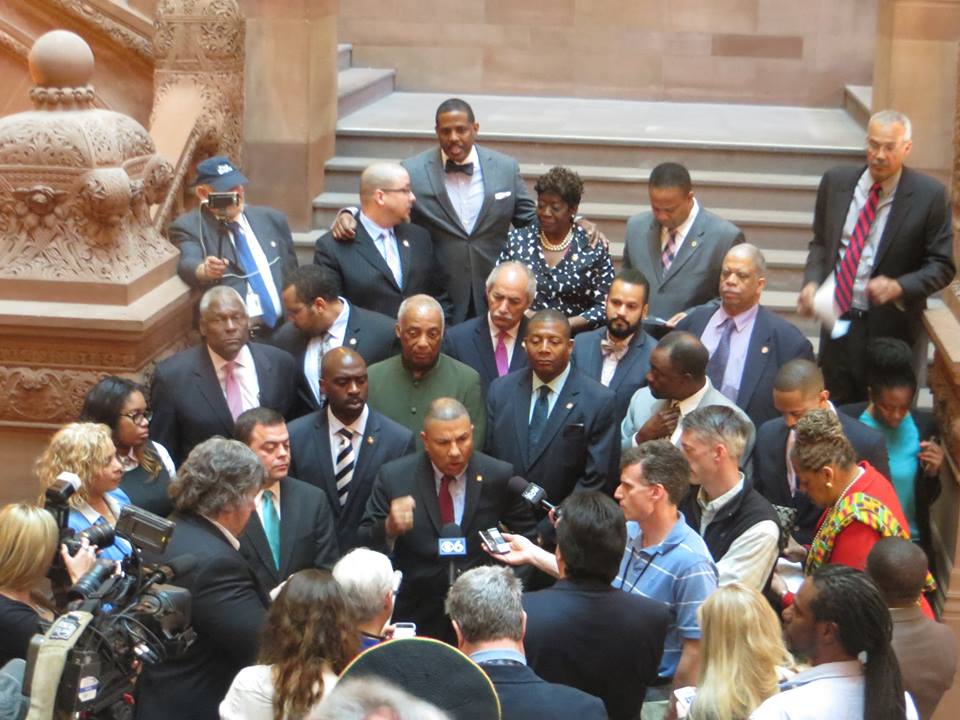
column 44, row 676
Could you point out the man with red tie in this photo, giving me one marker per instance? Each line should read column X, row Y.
column 416, row 496
column 882, row 236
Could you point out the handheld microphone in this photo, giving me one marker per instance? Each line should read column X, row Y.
column 532, row 493
column 452, row 545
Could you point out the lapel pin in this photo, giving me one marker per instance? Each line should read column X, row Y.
column 764, row 349
column 479, row 478
column 569, row 406
column 353, row 341
column 693, row 244
column 369, row 439
column 406, row 243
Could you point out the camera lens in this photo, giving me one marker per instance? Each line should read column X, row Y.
column 100, row 535
column 92, row 580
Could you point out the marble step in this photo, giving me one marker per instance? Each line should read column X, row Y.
column 358, row 87
column 344, row 56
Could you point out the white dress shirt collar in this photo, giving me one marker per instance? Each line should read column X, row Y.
column 357, row 427
column 555, row 385
column 231, row 538
column 473, row 157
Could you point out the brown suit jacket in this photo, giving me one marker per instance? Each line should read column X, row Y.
column 926, row 651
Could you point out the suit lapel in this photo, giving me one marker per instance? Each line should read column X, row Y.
column 898, row 213
column 758, row 355
column 518, row 359
column 627, row 362
column 594, row 357
column 366, row 456
column 323, row 459
column 471, row 495
column 367, row 249
column 208, row 385
column 266, row 378
column 406, row 253
column 435, row 174
column 353, row 337
column 566, row 401
column 484, row 344
column 258, row 539
column 835, row 233
column 522, row 393
column 655, row 249
column 289, row 522
column 427, row 487
column 488, row 166
column 690, row 246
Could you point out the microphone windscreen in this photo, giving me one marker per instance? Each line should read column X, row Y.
column 517, row 484
column 451, row 530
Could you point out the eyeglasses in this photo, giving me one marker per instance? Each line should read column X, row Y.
column 405, row 190
column 138, row 417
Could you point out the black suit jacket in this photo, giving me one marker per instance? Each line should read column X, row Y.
column 189, row 406
column 916, row 248
column 425, row 575
column 578, row 449
column 774, row 341
column 524, row 696
column 311, row 460
column 365, row 277
column 591, row 636
column 227, row 609
column 631, row 372
column 371, row 334
column 770, row 468
column 470, row 342
column 308, row 536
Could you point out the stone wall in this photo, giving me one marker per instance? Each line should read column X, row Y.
column 768, row 51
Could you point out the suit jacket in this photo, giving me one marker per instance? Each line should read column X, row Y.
column 525, row 696
column 371, row 334
column 311, row 460
column 506, row 201
column 227, row 609
column 307, row 535
column 770, row 468
column 470, row 343
column 926, row 651
column 577, row 450
column 916, row 248
column 590, row 636
column 773, row 342
column 270, row 227
column 189, row 406
column 694, row 274
column 631, row 372
column 365, row 277
column 425, row 575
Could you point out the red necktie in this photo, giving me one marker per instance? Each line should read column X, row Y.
column 446, row 500
column 847, row 272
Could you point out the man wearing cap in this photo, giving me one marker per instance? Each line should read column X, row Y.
column 225, row 241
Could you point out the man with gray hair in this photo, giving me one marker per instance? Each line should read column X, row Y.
column 485, row 609
column 371, row 698
column 883, row 241
column 366, row 578
column 200, row 392
column 389, row 259
column 492, row 343
column 736, row 522
column 401, row 387
column 213, row 495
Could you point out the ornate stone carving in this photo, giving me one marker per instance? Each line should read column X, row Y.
column 43, row 394
column 112, row 28
column 9, row 42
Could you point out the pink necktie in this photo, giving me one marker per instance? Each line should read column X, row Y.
column 669, row 251
column 500, row 355
column 232, row 389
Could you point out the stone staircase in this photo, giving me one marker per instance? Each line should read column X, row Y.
column 357, row 87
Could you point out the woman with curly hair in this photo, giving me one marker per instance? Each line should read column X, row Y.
column 87, row 450
column 742, row 655
column 121, row 405
column 572, row 276
column 308, row 639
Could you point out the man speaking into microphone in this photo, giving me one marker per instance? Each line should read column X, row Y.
column 416, row 496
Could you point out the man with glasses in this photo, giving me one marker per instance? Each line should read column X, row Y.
column 882, row 243
column 390, row 259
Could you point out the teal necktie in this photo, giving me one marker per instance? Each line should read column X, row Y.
column 271, row 525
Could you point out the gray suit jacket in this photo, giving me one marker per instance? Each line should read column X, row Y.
column 643, row 405
column 694, row 275
column 469, row 257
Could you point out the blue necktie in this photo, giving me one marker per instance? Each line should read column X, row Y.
column 538, row 421
column 717, row 366
column 271, row 525
column 255, row 279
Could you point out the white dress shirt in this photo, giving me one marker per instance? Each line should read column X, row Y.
column 682, row 229
column 555, row 385
column 686, row 406
column 244, row 371
column 319, row 345
column 465, row 191
column 252, row 300
column 357, row 427
column 458, row 491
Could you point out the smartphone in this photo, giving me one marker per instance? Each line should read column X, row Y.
column 494, row 541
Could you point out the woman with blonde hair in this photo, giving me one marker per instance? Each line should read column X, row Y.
column 28, row 541
column 307, row 640
column 742, row 655
column 87, row 450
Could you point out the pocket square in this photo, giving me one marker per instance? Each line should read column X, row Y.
column 574, row 430
column 501, row 195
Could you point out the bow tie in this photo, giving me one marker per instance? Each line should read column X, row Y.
column 608, row 347
column 452, row 167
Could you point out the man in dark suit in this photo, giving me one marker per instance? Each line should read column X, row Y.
column 584, row 632
column 618, row 355
column 467, row 198
column 747, row 343
column 491, row 343
column 321, row 320
column 797, row 389
column 882, row 236
column 247, row 248
column 318, row 440
column 551, row 422
column 485, row 608
column 213, row 493
column 417, row 496
column 199, row 392
column 293, row 527
column 389, row 259
column 678, row 245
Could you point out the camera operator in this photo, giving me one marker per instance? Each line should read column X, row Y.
column 87, row 450
column 214, row 494
column 28, row 541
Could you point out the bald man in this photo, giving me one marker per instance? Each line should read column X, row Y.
column 403, row 386
column 747, row 343
column 390, row 259
column 340, row 447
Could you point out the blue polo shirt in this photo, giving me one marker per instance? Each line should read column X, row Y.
column 678, row 573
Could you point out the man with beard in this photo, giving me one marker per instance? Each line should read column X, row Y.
column 618, row 355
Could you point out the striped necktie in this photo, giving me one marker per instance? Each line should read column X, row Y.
column 847, row 272
column 343, row 470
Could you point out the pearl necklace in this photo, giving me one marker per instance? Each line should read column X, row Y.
column 559, row 247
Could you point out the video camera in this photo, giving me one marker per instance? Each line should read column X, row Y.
column 87, row 661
